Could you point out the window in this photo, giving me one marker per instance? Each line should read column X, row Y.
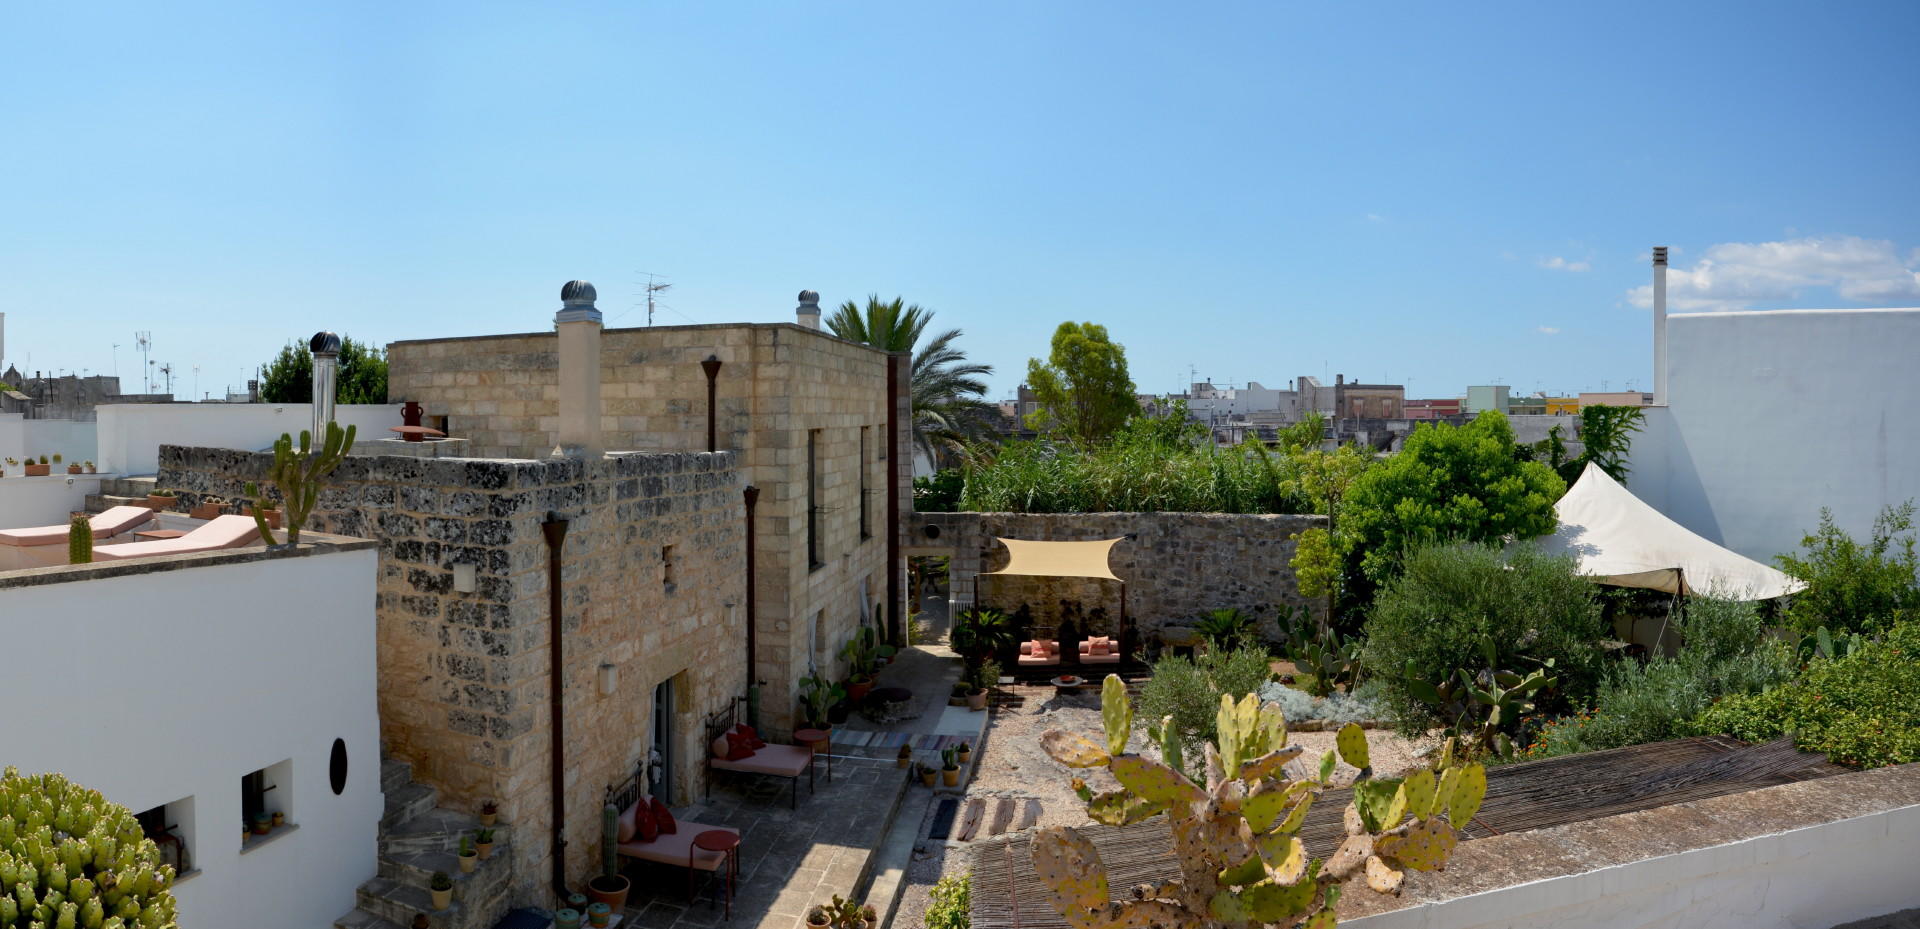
column 266, row 802
column 866, row 528
column 666, row 568
column 813, row 500
column 170, row 826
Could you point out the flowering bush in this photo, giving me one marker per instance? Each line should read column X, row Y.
column 1862, row 710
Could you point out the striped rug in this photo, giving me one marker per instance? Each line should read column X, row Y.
column 846, row 738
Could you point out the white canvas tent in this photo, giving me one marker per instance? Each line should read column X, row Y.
column 1620, row 540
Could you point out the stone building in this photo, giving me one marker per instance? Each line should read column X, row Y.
column 654, row 553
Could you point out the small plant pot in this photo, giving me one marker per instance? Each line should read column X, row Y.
column 904, row 758
column 818, row 922
column 487, row 819
column 420, row 921
column 611, row 891
column 598, row 914
column 964, row 756
column 468, row 862
column 75, row 469
column 272, row 516
column 262, row 824
column 205, row 511
column 483, row 849
column 157, row 501
column 442, row 898
column 858, row 692
column 279, row 819
column 39, row 470
column 950, row 777
column 977, row 699
column 927, row 777
column 957, row 700
column 568, row 918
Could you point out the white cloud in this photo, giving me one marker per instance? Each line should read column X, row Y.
column 1558, row 263
column 1737, row 275
column 1547, row 330
column 1376, row 218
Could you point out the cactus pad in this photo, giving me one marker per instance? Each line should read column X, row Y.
column 1267, row 764
column 1322, row 918
column 1116, row 713
column 1382, row 878
column 1285, row 855
column 1250, row 871
column 1352, row 855
column 1381, row 804
column 1122, row 808
column 1327, row 761
column 1352, row 742
column 1074, row 751
column 1263, row 809
column 1419, row 788
column 1467, row 794
column 1271, row 903
column 1423, row 845
column 1069, row 865
column 1154, row 781
column 1297, row 815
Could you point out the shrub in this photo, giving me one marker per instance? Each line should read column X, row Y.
column 1854, row 587
column 1190, row 691
column 1859, row 710
column 1364, row 704
column 1454, row 602
column 938, row 492
column 72, row 858
column 1226, row 628
column 952, row 903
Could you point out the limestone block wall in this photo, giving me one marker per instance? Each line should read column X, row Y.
column 1177, row 566
column 778, row 384
column 464, row 676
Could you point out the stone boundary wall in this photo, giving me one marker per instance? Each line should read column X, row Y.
column 464, row 677
column 1177, row 566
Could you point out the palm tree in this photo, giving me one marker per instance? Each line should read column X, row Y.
column 945, row 388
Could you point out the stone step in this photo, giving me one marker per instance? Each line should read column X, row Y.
column 394, row 774
column 417, row 868
column 127, row 486
column 436, row 830
column 361, row 919
column 100, row 503
column 397, row 903
column 408, row 802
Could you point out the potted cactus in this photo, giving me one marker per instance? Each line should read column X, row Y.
column 598, row 914
column 420, row 921
column 298, row 477
column 926, row 773
column 161, row 499
column 489, row 811
column 80, row 540
column 949, row 767
column 964, row 751
column 442, row 888
column 905, row 756
column 483, row 842
column 208, row 507
column 38, row 468
column 609, row 888
column 75, row 468
column 469, row 859
column 91, row 469
column 262, row 823
column 566, row 918
column 817, row 917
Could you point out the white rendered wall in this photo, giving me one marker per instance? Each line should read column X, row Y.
column 1809, row 878
column 44, row 501
column 131, row 433
column 1774, row 414
column 20, row 437
column 156, row 687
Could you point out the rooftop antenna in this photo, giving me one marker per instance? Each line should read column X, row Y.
column 166, row 371
column 653, row 288
column 143, row 343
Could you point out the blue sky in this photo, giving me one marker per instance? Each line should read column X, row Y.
column 1453, row 194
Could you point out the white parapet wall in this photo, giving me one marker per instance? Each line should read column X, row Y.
column 130, row 434
column 20, row 437
column 44, row 501
column 168, row 682
column 1773, row 415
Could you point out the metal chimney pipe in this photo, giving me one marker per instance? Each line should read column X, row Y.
column 325, row 347
column 808, row 312
column 1659, row 325
column 712, row 366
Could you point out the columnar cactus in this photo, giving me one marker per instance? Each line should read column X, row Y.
column 1241, row 862
column 609, row 841
column 299, row 477
column 80, row 540
column 69, row 859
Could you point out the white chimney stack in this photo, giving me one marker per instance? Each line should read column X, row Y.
column 808, row 313
column 325, row 347
column 578, row 324
column 1660, row 325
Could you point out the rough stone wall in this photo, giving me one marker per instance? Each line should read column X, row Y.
column 464, row 677
column 777, row 383
column 1177, row 566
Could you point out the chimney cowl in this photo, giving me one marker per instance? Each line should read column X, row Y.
column 324, row 343
column 576, row 303
column 808, row 312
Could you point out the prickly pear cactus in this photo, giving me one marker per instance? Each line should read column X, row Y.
column 1235, row 831
column 71, row 859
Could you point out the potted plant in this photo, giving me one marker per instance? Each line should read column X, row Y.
column 926, row 772
column 959, row 695
column 819, row 696
column 442, row 887
column 420, row 921
column 483, row 842
column 846, row 914
column 262, row 823
column 964, row 752
column 949, row 767
column 270, row 514
column 577, row 901
column 862, row 659
column 279, row 819
column 469, row 859
column 904, row 757
column 488, row 812
column 817, row 917
column 39, row 468
column 91, row 469
column 208, row 507
column 609, row 888
column 74, row 468
column 161, row 499
column 598, row 914
column 985, row 674
column 567, row 918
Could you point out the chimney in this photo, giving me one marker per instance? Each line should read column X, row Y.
column 809, row 310
column 578, row 324
column 325, row 347
column 1660, row 325
column 1339, row 379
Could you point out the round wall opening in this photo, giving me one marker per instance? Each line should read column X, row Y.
column 337, row 767
column 933, row 532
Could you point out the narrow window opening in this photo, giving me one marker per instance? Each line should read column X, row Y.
column 813, row 501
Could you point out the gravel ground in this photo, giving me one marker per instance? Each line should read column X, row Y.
column 1012, row 764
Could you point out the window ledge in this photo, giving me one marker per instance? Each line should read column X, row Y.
column 185, row 876
column 256, row 841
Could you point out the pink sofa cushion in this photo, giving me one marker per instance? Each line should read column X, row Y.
column 115, row 521
column 672, row 847
column 780, row 760
column 220, row 532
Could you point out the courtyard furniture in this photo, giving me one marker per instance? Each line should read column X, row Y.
column 155, row 535
column 1099, row 649
column 818, row 741
column 735, row 747
column 220, row 533
column 1038, row 653
column 1068, row 683
column 677, row 848
column 726, row 843
column 118, row 520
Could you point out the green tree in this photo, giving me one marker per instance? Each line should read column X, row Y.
column 1447, row 484
column 362, row 377
column 1606, row 434
column 1324, row 478
column 945, row 388
column 1083, row 389
column 1853, row 587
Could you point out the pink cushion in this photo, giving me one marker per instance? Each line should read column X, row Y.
column 718, row 746
column 626, row 829
column 106, row 524
column 221, row 532
column 672, row 848
column 781, row 760
column 1026, row 648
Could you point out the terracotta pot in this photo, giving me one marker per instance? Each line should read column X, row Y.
column 205, row 511
column 858, row 692
column 39, row 470
column 158, row 502
column 279, row 819
column 964, row 756
column 950, row 777
column 927, row 778
column 615, row 899
column 442, row 898
column 486, row 819
column 977, row 700
column 484, row 849
column 273, row 516
column 75, row 469
column 468, row 863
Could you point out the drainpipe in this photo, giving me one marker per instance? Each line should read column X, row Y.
column 712, row 367
column 752, row 496
column 894, row 363
column 555, row 530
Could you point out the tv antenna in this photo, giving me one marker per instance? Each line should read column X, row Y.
column 166, row 371
column 652, row 289
column 143, row 343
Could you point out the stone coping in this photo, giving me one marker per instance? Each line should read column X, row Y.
column 1504, row 861
column 695, row 327
column 311, row 543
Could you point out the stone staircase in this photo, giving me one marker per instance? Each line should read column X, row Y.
column 120, row 491
column 418, row 838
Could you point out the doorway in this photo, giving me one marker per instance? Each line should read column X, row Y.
column 928, row 589
column 660, row 754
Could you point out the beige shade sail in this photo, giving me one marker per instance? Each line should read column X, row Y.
column 1619, row 540
column 1058, row 559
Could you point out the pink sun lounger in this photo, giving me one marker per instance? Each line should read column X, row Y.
column 119, row 520
column 220, row 532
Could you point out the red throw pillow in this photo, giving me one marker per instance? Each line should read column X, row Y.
column 643, row 819
column 663, row 818
column 753, row 738
column 737, row 747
